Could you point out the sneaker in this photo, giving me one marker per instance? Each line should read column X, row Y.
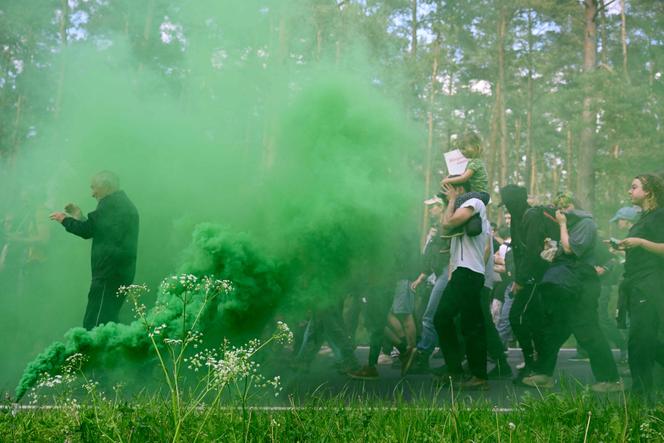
column 474, row 384
column 364, row 373
column 501, row 370
column 608, row 386
column 538, row 381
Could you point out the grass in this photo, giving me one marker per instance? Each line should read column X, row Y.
column 555, row 417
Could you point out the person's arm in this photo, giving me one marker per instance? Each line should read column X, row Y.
column 635, row 242
column 81, row 228
column 467, row 174
column 417, row 281
column 564, row 233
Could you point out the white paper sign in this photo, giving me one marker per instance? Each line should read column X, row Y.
column 456, row 162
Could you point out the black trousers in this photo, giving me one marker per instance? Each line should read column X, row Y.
column 104, row 303
column 463, row 296
column 567, row 313
column 495, row 347
column 646, row 313
column 526, row 321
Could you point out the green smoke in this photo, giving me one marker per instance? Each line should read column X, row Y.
column 311, row 161
column 214, row 252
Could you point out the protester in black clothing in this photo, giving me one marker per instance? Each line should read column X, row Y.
column 463, row 292
column 643, row 281
column 113, row 228
column 529, row 227
column 570, row 289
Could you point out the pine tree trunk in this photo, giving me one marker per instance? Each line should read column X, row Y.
column 63, row 43
column 585, row 183
column 413, row 29
column 517, row 150
column 428, row 179
column 570, row 159
column 623, row 39
column 502, row 25
column 530, row 157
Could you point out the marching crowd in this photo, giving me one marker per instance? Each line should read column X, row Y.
column 544, row 275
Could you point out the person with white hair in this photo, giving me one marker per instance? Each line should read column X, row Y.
column 113, row 228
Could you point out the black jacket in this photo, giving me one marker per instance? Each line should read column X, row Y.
column 537, row 224
column 113, row 228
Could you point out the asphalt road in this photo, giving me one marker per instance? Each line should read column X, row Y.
column 324, row 381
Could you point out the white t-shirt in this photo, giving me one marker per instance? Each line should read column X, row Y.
column 468, row 252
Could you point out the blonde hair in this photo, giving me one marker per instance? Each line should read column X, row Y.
column 470, row 144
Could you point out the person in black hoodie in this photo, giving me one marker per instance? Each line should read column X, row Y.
column 529, row 227
column 113, row 228
column 570, row 290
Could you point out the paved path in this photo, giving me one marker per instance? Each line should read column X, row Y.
column 323, row 380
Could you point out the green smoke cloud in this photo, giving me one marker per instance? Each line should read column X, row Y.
column 305, row 155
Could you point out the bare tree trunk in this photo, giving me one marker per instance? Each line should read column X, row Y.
column 413, row 29
column 429, row 154
column 502, row 25
column 517, row 150
column 146, row 32
column 493, row 140
column 530, row 156
column 570, row 159
column 534, row 189
column 585, row 183
column 63, row 43
column 623, row 39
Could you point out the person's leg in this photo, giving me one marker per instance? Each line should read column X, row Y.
column 394, row 324
column 409, row 328
column 336, row 333
column 585, row 327
column 495, row 347
column 473, row 324
column 95, row 296
column 429, row 337
column 607, row 321
column 556, row 306
column 518, row 323
column 503, row 327
column 448, row 308
column 643, row 340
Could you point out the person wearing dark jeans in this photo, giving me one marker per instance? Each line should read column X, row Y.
column 570, row 289
column 567, row 313
column 462, row 296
